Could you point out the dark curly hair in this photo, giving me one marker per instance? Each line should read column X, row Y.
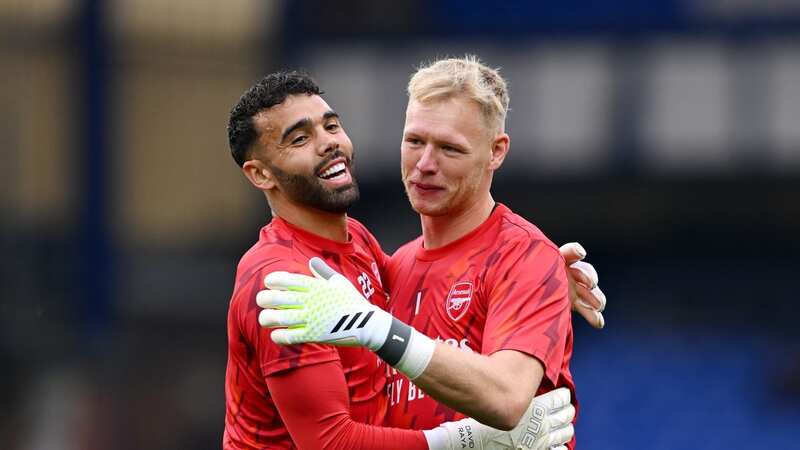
column 267, row 92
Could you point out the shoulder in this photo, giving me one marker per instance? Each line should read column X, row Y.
column 515, row 231
column 273, row 251
column 360, row 233
column 273, row 245
column 365, row 241
column 519, row 245
column 356, row 227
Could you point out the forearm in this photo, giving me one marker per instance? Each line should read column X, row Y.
column 343, row 433
column 314, row 406
column 334, row 311
column 494, row 390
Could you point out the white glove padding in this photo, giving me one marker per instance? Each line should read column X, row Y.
column 329, row 309
column 546, row 424
column 326, row 308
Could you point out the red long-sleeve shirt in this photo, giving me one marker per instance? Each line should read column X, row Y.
column 305, row 396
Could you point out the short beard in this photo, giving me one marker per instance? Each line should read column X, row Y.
column 308, row 190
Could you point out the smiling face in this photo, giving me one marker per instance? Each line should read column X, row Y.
column 448, row 156
column 303, row 155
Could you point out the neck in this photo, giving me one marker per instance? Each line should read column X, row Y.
column 328, row 225
column 438, row 231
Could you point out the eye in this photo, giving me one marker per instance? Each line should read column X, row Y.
column 299, row 139
column 332, row 127
column 451, row 149
column 413, row 141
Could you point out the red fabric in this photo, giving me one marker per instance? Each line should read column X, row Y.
column 502, row 286
column 314, row 405
column 253, row 419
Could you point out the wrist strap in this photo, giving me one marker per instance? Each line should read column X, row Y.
column 406, row 349
column 396, row 342
column 418, row 355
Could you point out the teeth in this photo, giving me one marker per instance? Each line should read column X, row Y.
column 338, row 167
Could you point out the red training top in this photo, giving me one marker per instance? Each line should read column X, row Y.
column 502, row 286
column 305, row 396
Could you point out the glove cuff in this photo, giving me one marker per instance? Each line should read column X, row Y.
column 417, row 356
column 406, row 349
column 458, row 435
column 437, row 438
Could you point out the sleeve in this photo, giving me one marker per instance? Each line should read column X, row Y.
column 314, row 405
column 528, row 304
column 273, row 358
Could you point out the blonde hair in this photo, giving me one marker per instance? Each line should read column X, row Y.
column 467, row 77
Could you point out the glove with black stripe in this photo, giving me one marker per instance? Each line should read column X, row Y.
column 328, row 309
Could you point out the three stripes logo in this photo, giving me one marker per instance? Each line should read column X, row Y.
column 352, row 321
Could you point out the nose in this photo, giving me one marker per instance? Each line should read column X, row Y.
column 328, row 144
column 427, row 161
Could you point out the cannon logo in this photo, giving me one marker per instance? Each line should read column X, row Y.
column 458, row 299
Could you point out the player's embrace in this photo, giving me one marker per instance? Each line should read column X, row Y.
column 480, row 303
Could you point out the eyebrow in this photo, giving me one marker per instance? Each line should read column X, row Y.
column 440, row 140
column 306, row 122
column 302, row 123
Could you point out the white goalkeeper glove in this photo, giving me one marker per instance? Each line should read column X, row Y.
column 547, row 424
column 327, row 308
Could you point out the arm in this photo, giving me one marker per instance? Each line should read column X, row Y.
column 308, row 389
column 487, row 388
column 317, row 417
column 525, row 331
column 490, row 388
column 314, row 405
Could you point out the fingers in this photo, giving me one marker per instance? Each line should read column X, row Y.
column 601, row 297
column 587, row 271
column 288, row 336
column 572, row 252
column 562, row 417
column 281, row 318
column 555, row 399
column 579, row 276
column 561, row 435
column 280, row 299
column 592, row 316
column 323, row 271
column 320, row 268
column 587, row 297
column 285, row 281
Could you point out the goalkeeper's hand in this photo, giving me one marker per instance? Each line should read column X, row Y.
column 585, row 295
column 327, row 308
column 547, row 424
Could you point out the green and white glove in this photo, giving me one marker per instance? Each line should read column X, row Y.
column 547, row 424
column 328, row 309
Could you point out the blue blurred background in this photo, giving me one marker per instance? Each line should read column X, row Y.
column 663, row 135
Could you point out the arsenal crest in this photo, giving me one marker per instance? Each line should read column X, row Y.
column 458, row 299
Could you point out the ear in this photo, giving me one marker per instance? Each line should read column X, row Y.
column 259, row 174
column 500, row 146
